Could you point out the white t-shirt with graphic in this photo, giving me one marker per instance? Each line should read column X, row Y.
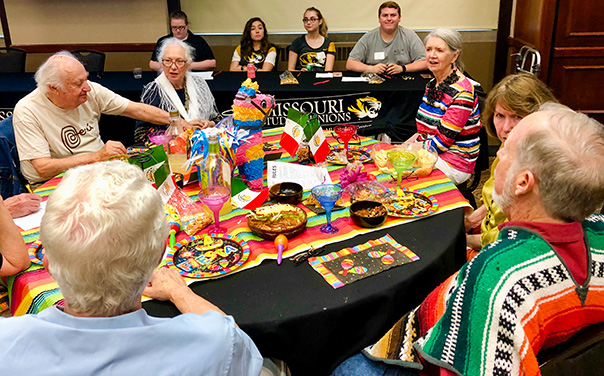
column 45, row 130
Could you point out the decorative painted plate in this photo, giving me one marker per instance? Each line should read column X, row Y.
column 207, row 256
column 36, row 252
column 412, row 205
column 319, row 209
column 355, row 153
column 132, row 152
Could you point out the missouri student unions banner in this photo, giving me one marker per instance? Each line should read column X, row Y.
column 355, row 108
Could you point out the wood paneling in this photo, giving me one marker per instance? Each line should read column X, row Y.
column 580, row 23
column 569, row 34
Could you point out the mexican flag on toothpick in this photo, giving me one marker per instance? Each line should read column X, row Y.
column 293, row 133
column 316, row 139
column 298, row 127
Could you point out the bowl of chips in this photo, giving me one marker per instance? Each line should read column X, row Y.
column 425, row 160
column 368, row 213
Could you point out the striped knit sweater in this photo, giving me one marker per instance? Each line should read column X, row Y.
column 513, row 299
column 451, row 125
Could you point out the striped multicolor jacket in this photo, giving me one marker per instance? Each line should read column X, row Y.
column 511, row 300
column 451, row 125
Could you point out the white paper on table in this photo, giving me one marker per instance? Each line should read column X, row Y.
column 207, row 75
column 355, row 79
column 307, row 176
column 324, row 75
column 33, row 220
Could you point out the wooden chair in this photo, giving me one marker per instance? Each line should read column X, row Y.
column 94, row 61
column 581, row 355
column 12, row 60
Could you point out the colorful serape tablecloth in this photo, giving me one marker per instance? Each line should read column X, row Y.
column 33, row 290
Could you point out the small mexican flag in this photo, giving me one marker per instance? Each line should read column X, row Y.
column 316, row 139
column 293, row 133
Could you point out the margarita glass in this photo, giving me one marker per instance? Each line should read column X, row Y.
column 327, row 195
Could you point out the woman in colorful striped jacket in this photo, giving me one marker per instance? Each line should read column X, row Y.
column 448, row 118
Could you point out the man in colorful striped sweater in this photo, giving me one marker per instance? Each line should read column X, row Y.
column 538, row 284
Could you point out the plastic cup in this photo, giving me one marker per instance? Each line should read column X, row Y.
column 138, row 73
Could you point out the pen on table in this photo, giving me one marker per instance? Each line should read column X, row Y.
column 299, row 73
column 385, row 75
column 321, row 82
column 217, row 73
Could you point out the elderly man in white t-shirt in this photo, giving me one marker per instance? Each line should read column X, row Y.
column 390, row 48
column 56, row 125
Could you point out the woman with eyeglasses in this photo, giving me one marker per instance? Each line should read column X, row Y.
column 313, row 51
column 254, row 48
column 176, row 89
column 203, row 57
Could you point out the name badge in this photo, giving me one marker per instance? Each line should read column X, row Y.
column 379, row 56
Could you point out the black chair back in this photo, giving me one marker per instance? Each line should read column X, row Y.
column 12, row 181
column 94, row 61
column 12, row 60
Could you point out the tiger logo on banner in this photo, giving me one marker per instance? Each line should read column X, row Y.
column 367, row 107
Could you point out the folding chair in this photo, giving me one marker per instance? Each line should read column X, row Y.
column 94, row 61
column 12, row 60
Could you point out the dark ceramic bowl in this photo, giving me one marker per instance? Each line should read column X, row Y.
column 366, row 221
column 286, row 193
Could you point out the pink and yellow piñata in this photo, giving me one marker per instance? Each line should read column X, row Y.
column 250, row 108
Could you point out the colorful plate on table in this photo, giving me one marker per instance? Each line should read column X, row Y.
column 132, row 152
column 319, row 209
column 207, row 256
column 36, row 252
column 412, row 205
column 355, row 154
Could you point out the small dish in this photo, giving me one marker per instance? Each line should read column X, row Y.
column 362, row 219
column 286, row 193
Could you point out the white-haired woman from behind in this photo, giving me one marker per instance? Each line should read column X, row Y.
column 176, row 89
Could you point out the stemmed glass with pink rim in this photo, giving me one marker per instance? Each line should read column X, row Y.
column 345, row 133
column 214, row 197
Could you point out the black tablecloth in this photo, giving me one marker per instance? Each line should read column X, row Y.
column 398, row 98
column 291, row 313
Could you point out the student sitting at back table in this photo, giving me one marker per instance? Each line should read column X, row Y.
column 313, row 51
column 203, row 57
column 254, row 48
column 390, row 48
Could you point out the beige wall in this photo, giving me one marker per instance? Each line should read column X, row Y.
column 85, row 21
column 348, row 15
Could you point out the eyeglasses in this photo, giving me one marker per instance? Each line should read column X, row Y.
column 312, row 19
column 168, row 63
column 178, row 28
